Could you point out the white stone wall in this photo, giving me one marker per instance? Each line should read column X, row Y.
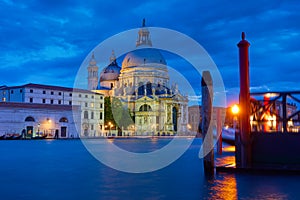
column 92, row 103
column 46, row 119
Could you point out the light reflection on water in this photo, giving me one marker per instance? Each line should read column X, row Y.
column 223, row 188
column 63, row 169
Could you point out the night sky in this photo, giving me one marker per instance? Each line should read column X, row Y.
column 45, row 42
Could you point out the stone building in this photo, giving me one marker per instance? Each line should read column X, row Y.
column 142, row 85
column 35, row 99
column 194, row 117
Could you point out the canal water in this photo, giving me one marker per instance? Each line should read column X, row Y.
column 64, row 169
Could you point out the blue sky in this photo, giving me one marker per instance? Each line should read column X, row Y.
column 46, row 41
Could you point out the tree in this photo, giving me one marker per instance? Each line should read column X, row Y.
column 121, row 113
column 108, row 115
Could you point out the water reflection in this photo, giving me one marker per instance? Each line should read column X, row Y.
column 222, row 187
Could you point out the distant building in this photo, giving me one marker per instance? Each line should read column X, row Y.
column 35, row 99
column 195, row 117
column 36, row 119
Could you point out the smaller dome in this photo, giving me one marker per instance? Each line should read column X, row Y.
column 111, row 72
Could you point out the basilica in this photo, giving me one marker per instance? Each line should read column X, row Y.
column 142, row 86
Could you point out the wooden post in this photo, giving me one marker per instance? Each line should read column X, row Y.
column 206, row 113
column 245, row 142
column 219, row 130
column 284, row 113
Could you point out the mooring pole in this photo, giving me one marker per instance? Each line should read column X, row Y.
column 206, row 113
column 245, row 142
column 219, row 130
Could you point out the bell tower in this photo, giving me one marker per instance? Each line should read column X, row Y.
column 92, row 73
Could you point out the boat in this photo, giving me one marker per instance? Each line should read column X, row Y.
column 2, row 137
column 17, row 136
column 39, row 137
column 228, row 135
column 12, row 136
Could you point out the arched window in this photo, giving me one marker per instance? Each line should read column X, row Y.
column 85, row 115
column 29, row 119
column 63, row 119
column 145, row 107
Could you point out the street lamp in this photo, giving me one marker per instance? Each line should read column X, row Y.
column 39, row 129
column 105, row 129
column 235, row 110
column 110, row 125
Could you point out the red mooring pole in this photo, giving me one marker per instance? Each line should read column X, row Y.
column 245, row 143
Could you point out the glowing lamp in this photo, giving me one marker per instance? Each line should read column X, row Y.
column 235, row 109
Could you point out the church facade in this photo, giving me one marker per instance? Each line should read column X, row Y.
column 142, row 86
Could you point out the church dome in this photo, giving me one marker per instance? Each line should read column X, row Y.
column 111, row 72
column 144, row 56
column 148, row 57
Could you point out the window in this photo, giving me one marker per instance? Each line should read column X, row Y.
column 92, row 126
column 70, row 94
column 51, row 101
column 92, row 96
column 3, row 99
column 145, row 107
column 92, row 105
column 79, row 95
column 86, row 104
column 29, row 119
column 101, row 105
column 31, row 91
column 44, row 100
column 59, row 101
column 63, row 119
column 86, row 96
column 92, row 115
column 85, row 115
column 111, row 85
column 59, row 93
column 52, row 92
column 21, row 90
column 101, row 115
column 44, row 91
column 70, row 103
column 101, row 97
column 30, row 99
column 11, row 91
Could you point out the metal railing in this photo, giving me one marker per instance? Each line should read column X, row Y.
column 275, row 111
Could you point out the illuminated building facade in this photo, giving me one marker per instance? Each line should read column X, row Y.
column 49, row 109
column 142, row 84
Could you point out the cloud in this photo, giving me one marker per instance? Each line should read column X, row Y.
column 17, row 59
column 38, row 34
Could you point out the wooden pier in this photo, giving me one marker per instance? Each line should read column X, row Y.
column 268, row 139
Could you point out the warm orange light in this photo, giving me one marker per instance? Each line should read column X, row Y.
column 235, row 109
